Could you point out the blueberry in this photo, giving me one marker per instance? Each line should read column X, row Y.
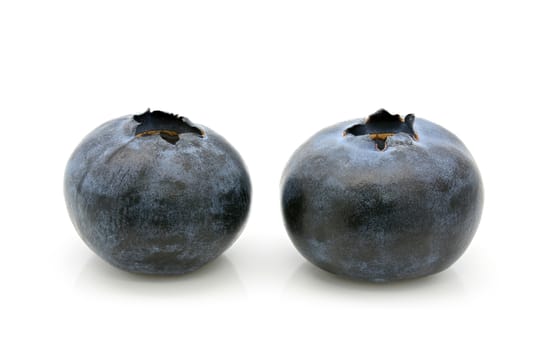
column 156, row 194
column 382, row 199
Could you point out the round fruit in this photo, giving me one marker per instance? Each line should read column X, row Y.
column 382, row 199
column 156, row 194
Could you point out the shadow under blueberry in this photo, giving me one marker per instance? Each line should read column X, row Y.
column 218, row 277
column 311, row 280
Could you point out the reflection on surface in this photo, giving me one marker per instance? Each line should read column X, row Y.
column 311, row 281
column 216, row 278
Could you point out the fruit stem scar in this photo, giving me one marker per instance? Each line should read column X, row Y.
column 381, row 125
column 166, row 125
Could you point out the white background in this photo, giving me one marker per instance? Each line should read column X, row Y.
column 267, row 75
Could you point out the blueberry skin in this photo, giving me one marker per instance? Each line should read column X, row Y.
column 148, row 206
column 408, row 211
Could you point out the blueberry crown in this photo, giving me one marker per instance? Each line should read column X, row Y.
column 382, row 124
column 167, row 125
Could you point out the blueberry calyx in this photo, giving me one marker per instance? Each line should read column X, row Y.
column 382, row 124
column 166, row 125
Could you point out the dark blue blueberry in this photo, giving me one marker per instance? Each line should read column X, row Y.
column 156, row 194
column 382, row 199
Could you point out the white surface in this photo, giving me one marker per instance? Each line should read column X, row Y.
column 267, row 76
